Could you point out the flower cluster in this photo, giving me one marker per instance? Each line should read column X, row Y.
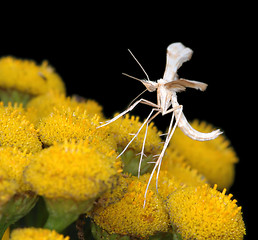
column 205, row 213
column 20, row 80
column 59, row 170
column 36, row 233
column 133, row 219
column 214, row 159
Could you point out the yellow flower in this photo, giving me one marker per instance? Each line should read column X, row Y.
column 36, row 234
column 70, row 176
column 17, row 131
column 205, row 213
column 123, row 131
column 174, row 174
column 27, row 77
column 8, row 188
column 43, row 105
column 124, row 128
column 125, row 214
column 90, row 105
column 166, row 183
column 67, row 124
column 14, row 162
column 73, row 170
column 175, row 166
column 214, row 159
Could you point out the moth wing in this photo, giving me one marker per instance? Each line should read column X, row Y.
column 177, row 54
column 181, row 84
column 175, row 86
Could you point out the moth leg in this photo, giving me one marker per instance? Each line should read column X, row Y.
column 136, row 134
column 158, row 162
column 144, row 140
column 168, row 139
column 173, row 109
column 143, row 101
column 170, row 126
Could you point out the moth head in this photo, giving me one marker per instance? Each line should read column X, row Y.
column 151, row 86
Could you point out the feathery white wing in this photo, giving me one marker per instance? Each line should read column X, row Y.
column 177, row 54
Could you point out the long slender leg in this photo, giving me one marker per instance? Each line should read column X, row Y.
column 158, row 162
column 143, row 101
column 147, row 119
column 168, row 138
column 144, row 140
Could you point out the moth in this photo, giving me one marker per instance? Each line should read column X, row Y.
column 167, row 89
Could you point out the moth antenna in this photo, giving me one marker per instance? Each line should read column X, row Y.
column 138, row 94
column 139, row 64
column 132, row 77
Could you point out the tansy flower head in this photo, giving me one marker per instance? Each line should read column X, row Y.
column 44, row 105
column 8, row 188
column 127, row 215
column 28, row 79
column 14, row 162
column 123, row 131
column 174, row 165
column 36, row 234
column 205, row 213
column 214, row 159
column 17, row 131
column 67, row 124
column 27, row 76
column 91, row 106
column 166, row 183
column 79, row 171
column 174, row 174
column 124, row 128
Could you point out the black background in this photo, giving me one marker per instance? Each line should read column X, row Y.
column 88, row 48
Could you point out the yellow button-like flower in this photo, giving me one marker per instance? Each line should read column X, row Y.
column 126, row 216
column 175, row 166
column 205, row 213
column 166, row 183
column 214, row 159
column 67, row 124
column 123, row 131
column 8, row 188
column 13, row 162
column 36, row 234
column 44, row 105
column 27, row 77
column 125, row 128
column 17, row 131
column 78, row 171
